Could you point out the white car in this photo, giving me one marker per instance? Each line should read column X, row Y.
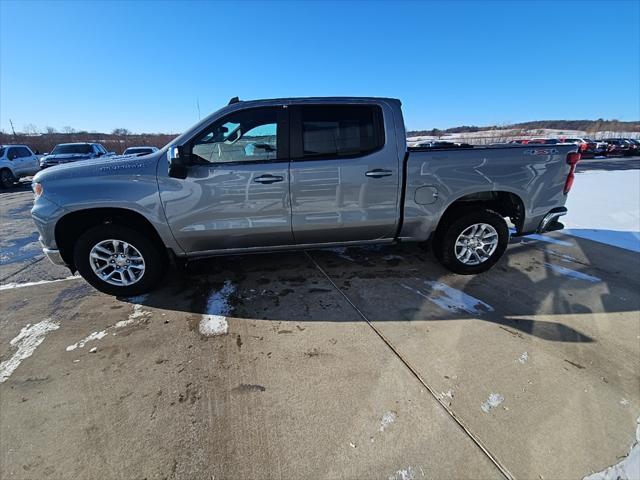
column 140, row 150
column 16, row 161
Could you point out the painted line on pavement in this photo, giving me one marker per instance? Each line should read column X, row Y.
column 11, row 286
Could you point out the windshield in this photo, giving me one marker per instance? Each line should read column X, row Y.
column 66, row 149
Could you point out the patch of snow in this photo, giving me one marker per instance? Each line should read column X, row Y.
column 138, row 314
column 574, row 274
column 408, row 473
column 211, row 325
column 493, row 401
column 628, row 468
column 447, row 394
column 93, row 336
column 615, row 221
column 10, row 286
column 524, row 358
column 452, row 299
column 93, row 350
column 387, row 419
column 624, row 402
column 26, row 341
column 214, row 321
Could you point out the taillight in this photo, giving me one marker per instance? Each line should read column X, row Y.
column 572, row 159
column 569, row 182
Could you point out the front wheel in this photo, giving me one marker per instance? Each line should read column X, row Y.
column 7, row 179
column 118, row 260
column 472, row 241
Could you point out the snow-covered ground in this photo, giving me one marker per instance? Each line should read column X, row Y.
column 604, row 206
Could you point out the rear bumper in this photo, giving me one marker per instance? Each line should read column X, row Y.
column 53, row 254
column 550, row 221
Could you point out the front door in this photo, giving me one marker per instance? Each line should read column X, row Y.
column 236, row 194
column 345, row 175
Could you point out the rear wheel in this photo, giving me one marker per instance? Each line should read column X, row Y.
column 471, row 241
column 119, row 260
column 6, row 178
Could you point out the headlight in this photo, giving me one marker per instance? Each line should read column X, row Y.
column 37, row 189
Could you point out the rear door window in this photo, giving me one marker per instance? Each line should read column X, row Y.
column 334, row 131
column 24, row 152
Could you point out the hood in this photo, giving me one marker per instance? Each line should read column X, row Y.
column 97, row 167
column 66, row 157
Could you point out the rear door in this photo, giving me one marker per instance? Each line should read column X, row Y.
column 30, row 165
column 236, row 194
column 14, row 155
column 345, row 174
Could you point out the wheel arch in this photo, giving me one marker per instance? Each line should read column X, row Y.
column 507, row 204
column 74, row 224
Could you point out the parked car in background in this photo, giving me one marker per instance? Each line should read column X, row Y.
column 619, row 147
column 16, row 161
column 521, row 141
column 442, row 145
column 631, row 147
column 583, row 145
column 544, row 141
column 73, row 152
column 255, row 176
column 140, row 150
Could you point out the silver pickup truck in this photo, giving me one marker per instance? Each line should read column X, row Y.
column 273, row 175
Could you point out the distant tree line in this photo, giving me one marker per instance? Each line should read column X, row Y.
column 599, row 125
column 116, row 141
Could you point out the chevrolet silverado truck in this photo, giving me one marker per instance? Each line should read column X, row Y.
column 285, row 174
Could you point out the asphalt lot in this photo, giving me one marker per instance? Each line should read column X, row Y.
column 345, row 363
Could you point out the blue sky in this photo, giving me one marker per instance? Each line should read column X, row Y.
column 145, row 66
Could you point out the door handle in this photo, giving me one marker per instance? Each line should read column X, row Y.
column 268, row 179
column 378, row 173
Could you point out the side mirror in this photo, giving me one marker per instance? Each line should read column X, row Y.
column 177, row 162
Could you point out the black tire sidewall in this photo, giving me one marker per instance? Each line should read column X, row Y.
column 155, row 263
column 11, row 179
column 445, row 248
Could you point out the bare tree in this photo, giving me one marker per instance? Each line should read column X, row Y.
column 30, row 129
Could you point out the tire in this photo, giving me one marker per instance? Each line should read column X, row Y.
column 138, row 246
column 447, row 243
column 7, row 179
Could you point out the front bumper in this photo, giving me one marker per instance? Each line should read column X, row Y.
column 54, row 255
column 550, row 221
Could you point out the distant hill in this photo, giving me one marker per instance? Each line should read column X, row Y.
column 599, row 125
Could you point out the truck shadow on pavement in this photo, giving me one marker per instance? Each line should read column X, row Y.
column 404, row 284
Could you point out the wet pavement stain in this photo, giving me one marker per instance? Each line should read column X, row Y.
column 248, row 388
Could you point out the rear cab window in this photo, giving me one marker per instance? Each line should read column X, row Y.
column 336, row 131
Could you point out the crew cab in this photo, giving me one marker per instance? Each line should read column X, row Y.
column 16, row 161
column 73, row 152
column 285, row 174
